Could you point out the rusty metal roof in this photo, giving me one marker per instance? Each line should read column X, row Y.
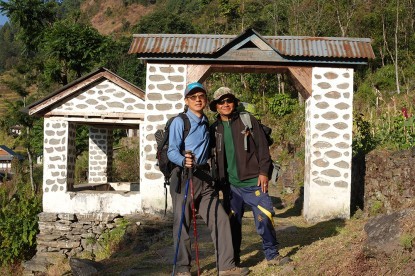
column 290, row 47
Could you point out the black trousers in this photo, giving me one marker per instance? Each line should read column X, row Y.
column 210, row 209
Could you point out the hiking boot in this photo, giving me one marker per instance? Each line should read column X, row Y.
column 237, row 261
column 183, row 273
column 242, row 271
column 279, row 260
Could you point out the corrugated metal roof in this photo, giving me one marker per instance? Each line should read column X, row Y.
column 178, row 43
column 288, row 46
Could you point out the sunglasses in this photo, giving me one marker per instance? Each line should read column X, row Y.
column 197, row 97
column 229, row 101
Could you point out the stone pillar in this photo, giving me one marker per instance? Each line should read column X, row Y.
column 328, row 145
column 100, row 155
column 165, row 85
column 58, row 156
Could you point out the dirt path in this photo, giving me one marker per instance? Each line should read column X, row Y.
column 148, row 249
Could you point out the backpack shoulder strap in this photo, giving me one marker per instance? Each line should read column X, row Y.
column 186, row 122
column 246, row 120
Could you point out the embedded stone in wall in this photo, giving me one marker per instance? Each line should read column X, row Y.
column 176, row 78
column 333, row 95
column 321, row 163
column 173, row 97
column 165, row 87
column 342, row 164
column 324, row 85
column 155, row 118
column 331, row 135
column 331, row 75
column 330, row 115
column 331, row 172
column 166, row 69
column 163, row 107
column 321, row 181
column 342, row 106
column 341, row 184
column 322, row 126
column 156, row 78
column 340, row 125
column 322, row 105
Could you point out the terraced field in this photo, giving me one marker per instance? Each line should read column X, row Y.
column 6, row 94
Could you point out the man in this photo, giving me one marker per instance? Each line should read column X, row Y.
column 205, row 197
column 243, row 161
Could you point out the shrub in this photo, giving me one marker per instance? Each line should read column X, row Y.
column 363, row 140
column 18, row 227
column 282, row 104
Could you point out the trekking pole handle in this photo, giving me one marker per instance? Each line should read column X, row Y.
column 190, row 170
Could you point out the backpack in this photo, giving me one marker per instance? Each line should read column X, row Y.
column 274, row 169
column 162, row 139
column 246, row 120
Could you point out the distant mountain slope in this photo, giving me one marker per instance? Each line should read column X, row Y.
column 112, row 16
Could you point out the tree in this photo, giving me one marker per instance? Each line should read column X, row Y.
column 32, row 17
column 127, row 66
column 14, row 116
column 71, row 49
column 9, row 48
column 163, row 21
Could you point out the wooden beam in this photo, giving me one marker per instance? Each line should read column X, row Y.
column 197, row 73
column 301, row 77
column 243, row 68
column 92, row 114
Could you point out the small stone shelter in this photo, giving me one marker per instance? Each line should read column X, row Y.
column 102, row 101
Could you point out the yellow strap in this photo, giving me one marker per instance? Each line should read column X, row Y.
column 267, row 213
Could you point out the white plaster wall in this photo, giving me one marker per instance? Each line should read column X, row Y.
column 165, row 85
column 92, row 202
column 103, row 97
column 329, row 122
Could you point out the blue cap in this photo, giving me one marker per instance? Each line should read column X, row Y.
column 194, row 87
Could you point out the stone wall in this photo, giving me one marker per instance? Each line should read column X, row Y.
column 389, row 181
column 65, row 235
column 328, row 145
column 165, row 85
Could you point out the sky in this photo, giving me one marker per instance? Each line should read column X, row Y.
column 3, row 19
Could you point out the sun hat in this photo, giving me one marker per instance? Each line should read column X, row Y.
column 221, row 93
column 194, row 87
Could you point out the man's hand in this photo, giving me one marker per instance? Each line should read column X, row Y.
column 188, row 162
column 263, row 182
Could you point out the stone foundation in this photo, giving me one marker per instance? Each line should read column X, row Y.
column 66, row 235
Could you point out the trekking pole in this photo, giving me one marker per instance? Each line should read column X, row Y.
column 181, row 226
column 192, row 193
